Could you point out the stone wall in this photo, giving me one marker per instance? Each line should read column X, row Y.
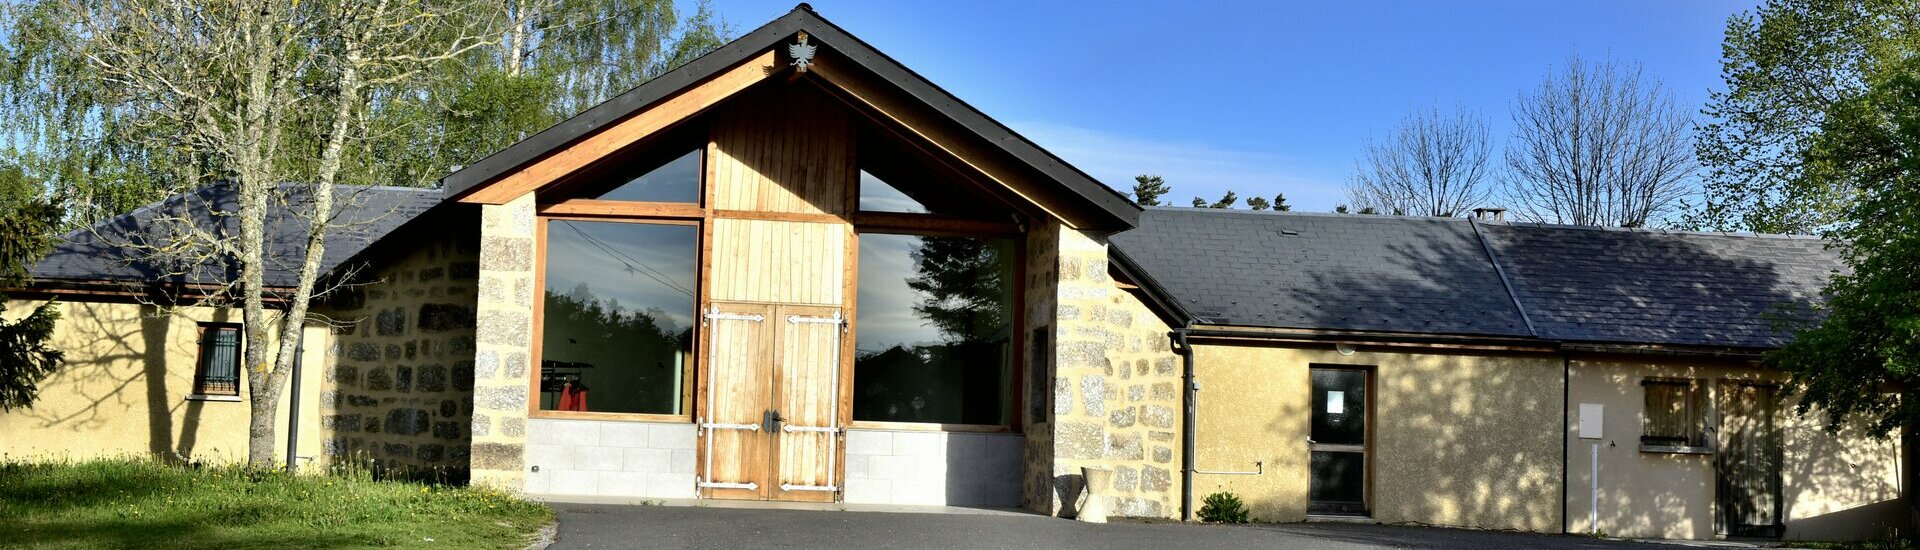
column 1115, row 402
column 1037, row 487
column 504, row 334
column 399, row 377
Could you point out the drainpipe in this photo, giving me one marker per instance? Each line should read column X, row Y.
column 1190, row 422
column 1566, row 434
column 293, row 408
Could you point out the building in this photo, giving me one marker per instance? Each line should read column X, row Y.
column 795, row 270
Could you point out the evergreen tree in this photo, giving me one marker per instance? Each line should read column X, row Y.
column 1226, row 201
column 1147, row 189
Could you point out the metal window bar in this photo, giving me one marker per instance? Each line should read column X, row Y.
column 219, row 369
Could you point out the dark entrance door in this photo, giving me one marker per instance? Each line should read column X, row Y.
column 1338, row 465
column 1749, row 461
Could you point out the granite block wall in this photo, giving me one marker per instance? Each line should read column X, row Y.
column 397, row 388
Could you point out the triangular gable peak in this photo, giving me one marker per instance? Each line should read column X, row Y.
column 889, row 108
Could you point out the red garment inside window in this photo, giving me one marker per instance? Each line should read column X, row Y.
column 573, row 398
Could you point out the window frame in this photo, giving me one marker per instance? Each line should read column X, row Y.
column 689, row 371
column 1700, row 417
column 199, row 390
column 892, row 223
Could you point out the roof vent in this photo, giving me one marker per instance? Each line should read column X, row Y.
column 1491, row 215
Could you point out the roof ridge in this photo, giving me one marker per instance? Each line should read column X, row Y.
column 1205, row 210
column 1660, row 231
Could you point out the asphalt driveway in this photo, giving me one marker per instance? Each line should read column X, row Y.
column 677, row 527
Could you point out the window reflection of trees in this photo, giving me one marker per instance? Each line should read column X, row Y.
column 629, row 361
column 963, row 288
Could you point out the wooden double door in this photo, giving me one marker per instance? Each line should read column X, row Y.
column 770, row 416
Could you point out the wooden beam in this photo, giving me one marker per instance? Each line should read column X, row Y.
column 594, row 207
column 889, row 222
column 613, row 138
column 915, row 119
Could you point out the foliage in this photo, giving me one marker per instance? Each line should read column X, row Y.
column 1147, row 189
column 1223, row 507
column 71, row 125
column 28, row 224
column 1432, row 165
column 1226, row 201
column 1870, row 337
column 1259, row 203
column 133, row 503
column 1280, row 203
column 1598, row 144
column 1786, row 65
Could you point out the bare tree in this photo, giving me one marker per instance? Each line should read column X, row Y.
column 1598, row 144
column 266, row 93
column 1434, row 164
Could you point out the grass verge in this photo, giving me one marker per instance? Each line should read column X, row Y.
column 129, row 503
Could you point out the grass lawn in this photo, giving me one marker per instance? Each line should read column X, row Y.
column 147, row 504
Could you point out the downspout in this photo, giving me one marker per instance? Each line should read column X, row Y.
column 1190, row 421
column 1566, row 394
column 293, row 408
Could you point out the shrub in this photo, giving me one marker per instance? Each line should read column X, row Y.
column 1223, row 507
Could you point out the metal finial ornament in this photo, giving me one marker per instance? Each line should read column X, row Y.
column 801, row 53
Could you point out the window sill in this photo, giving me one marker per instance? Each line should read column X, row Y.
column 622, row 417
column 217, row 398
column 928, row 427
column 1675, row 449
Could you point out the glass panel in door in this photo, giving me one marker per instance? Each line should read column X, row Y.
column 1338, row 466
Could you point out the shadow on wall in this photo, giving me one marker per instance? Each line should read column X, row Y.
column 121, row 363
column 1461, row 465
column 1459, row 438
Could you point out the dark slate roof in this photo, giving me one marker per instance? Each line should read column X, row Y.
column 1435, row 276
column 117, row 250
column 829, row 37
column 1323, row 271
column 1653, row 287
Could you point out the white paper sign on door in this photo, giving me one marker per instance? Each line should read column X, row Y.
column 1336, row 402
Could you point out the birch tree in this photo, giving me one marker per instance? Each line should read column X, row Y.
column 1433, row 164
column 1599, row 144
column 263, row 93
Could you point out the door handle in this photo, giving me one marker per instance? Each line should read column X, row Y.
column 770, row 420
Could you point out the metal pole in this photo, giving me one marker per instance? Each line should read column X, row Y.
column 1593, row 512
column 293, row 409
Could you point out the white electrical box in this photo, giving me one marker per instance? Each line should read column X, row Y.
column 1590, row 420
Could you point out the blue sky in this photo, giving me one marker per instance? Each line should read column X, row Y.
column 1258, row 97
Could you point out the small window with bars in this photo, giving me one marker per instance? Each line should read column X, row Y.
column 219, row 370
column 1676, row 416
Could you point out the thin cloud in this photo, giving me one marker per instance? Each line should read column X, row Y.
column 1191, row 169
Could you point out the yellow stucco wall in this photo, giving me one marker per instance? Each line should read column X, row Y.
column 123, row 390
column 1458, row 439
column 1834, row 486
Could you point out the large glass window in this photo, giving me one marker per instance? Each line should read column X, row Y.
column 655, row 180
column 617, row 328
column 935, row 337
